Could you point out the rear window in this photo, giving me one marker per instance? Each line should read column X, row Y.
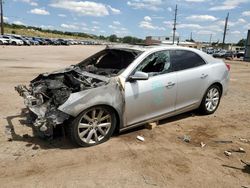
column 184, row 59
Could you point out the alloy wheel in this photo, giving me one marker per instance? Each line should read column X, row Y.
column 94, row 125
column 212, row 99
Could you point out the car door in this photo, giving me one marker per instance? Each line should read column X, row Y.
column 146, row 99
column 192, row 78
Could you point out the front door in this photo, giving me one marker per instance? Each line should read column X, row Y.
column 146, row 99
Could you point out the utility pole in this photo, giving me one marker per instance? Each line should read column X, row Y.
column 1, row 7
column 174, row 29
column 210, row 40
column 225, row 31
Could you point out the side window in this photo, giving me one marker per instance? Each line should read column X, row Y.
column 156, row 63
column 183, row 59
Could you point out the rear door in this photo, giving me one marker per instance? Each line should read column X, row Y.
column 192, row 78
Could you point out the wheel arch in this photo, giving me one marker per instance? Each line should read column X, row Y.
column 117, row 115
column 215, row 83
column 219, row 85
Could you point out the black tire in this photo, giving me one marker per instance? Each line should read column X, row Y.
column 1, row 42
column 203, row 107
column 74, row 130
column 14, row 43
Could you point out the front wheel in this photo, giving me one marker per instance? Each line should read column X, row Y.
column 93, row 126
column 211, row 100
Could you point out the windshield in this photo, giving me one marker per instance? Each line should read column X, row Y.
column 109, row 62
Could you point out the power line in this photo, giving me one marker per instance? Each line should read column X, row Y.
column 174, row 29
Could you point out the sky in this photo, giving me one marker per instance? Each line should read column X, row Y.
column 139, row 18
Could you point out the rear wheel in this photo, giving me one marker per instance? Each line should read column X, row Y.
column 14, row 43
column 211, row 100
column 93, row 126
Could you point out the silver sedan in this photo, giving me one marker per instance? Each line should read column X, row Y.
column 122, row 87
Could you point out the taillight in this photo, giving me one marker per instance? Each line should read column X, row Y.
column 228, row 67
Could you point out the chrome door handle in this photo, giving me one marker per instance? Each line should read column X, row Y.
column 170, row 84
column 204, row 76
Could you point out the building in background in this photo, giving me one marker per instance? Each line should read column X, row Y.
column 168, row 40
column 151, row 40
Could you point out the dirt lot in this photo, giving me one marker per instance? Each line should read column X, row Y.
column 163, row 160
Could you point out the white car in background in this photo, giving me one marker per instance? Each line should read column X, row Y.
column 3, row 41
column 12, row 40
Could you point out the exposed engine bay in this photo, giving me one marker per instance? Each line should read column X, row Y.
column 50, row 90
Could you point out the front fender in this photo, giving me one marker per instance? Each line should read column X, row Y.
column 110, row 94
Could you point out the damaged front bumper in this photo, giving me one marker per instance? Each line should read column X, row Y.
column 47, row 116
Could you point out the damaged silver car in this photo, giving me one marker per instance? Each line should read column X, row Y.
column 122, row 87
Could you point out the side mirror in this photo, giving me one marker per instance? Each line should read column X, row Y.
column 139, row 76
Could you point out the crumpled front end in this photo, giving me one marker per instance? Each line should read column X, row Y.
column 49, row 91
column 47, row 115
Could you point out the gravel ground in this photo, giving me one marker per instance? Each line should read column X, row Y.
column 163, row 160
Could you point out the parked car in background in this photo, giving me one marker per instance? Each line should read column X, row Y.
column 62, row 42
column 40, row 42
column 25, row 41
column 210, row 51
column 220, row 54
column 228, row 54
column 56, row 42
column 122, row 87
column 72, row 42
column 12, row 40
column 32, row 42
column 3, row 41
column 49, row 41
column 240, row 54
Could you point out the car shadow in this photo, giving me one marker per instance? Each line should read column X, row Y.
column 245, row 169
column 162, row 122
column 59, row 141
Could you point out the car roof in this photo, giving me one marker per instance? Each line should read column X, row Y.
column 208, row 58
column 150, row 48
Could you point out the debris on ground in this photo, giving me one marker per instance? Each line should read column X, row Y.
column 244, row 140
column 140, row 138
column 9, row 139
column 223, row 141
column 240, row 150
column 203, row 144
column 186, row 138
column 246, row 163
column 26, row 136
column 151, row 125
column 148, row 181
column 227, row 153
column 243, row 186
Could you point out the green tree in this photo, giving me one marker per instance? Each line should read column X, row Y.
column 128, row 39
column 113, row 38
column 241, row 42
column 132, row 40
column 101, row 37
